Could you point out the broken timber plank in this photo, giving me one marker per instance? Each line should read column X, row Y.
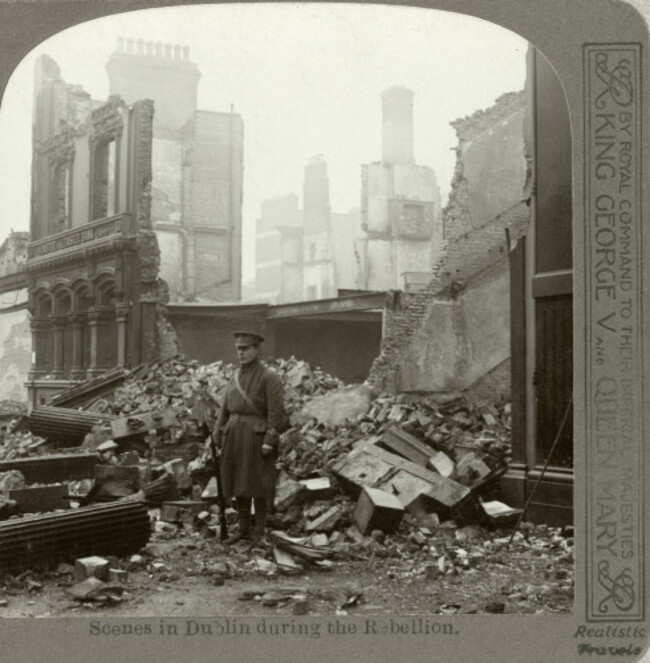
column 400, row 442
column 53, row 467
column 417, row 488
column 140, row 424
column 377, row 509
column 82, row 394
column 39, row 499
column 360, row 468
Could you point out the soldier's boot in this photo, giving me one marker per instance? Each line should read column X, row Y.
column 261, row 511
column 244, row 531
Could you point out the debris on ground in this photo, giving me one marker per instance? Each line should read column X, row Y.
column 404, row 489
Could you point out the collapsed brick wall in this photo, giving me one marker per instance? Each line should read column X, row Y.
column 468, row 252
column 493, row 386
column 476, row 251
column 465, row 259
column 499, row 186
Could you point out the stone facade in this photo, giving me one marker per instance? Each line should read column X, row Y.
column 197, row 171
column 449, row 333
column 93, row 260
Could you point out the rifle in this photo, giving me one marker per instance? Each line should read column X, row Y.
column 221, row 500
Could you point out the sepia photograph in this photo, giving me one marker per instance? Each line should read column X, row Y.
column 322, row 330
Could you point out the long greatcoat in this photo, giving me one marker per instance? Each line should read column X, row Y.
column 245, row 472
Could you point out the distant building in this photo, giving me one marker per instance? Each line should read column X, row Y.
column 318, row 256
column 400, row 205
column 197, row 171
column 279, row 251
column 305, row 254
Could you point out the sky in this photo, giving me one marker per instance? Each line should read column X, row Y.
column 306, row 79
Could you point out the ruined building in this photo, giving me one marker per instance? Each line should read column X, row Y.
column 495, row 319
column 318, row 257
column 197, row 171
column 390, row 244
column 93, row 258
column 453, row 335
column 279, row 250
column 400, row 205
column 308, row 253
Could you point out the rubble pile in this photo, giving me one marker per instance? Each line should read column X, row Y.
column 21, row 444
column 11, row 410
column 405, row 487
column 430, row 454
column 178, row 383
column 454, row 428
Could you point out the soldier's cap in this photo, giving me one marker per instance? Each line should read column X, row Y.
column 245, row 338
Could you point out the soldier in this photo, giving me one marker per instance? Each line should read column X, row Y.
column 247, row 434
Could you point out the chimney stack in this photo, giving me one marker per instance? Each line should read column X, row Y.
column 397, row 125
column 159, row 71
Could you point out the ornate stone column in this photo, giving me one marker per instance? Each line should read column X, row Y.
column 96, row 322
column 58, row 329
column 78, row 336
column 122, row 317
column 39, row 328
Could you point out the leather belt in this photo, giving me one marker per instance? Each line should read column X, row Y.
column 247, row 418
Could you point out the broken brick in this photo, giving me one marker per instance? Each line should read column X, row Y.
column 301, row 607
column 318, row 540
column 117, row 575
column 288, row 492
column 441, row 463
column 88, row 567
column 471, row 469
column 319, row 487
